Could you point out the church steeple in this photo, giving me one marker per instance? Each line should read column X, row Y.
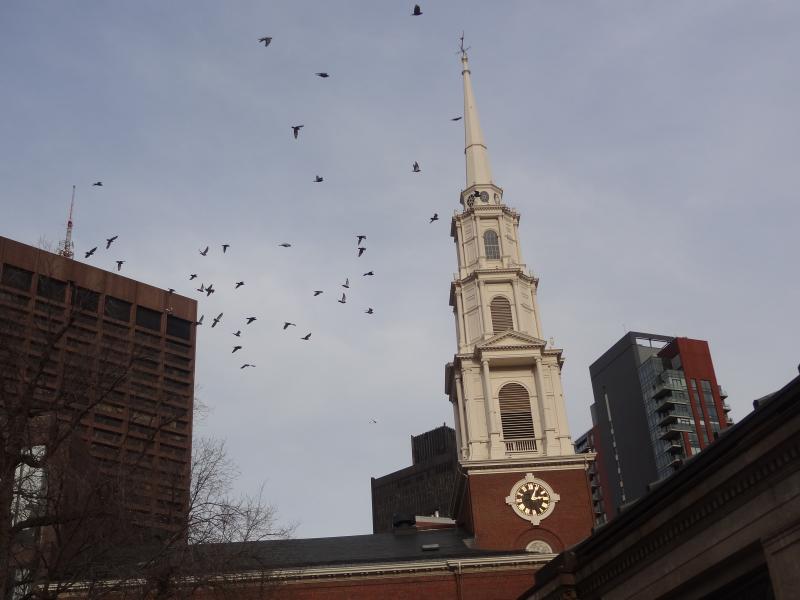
column 505, row 380
column 479, row 171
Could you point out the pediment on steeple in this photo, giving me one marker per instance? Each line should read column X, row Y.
column 511, row 339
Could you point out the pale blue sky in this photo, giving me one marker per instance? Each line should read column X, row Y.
column 651, row 148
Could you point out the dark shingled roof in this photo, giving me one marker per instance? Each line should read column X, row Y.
column 355, row 549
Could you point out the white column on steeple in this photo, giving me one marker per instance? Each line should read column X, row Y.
column 477, row 157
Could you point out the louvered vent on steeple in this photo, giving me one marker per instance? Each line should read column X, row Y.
column 501, row 315
column 515, row 412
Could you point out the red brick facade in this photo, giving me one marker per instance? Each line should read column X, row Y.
column 497, row 526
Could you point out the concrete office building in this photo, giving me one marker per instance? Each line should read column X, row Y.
column 656, row 403
column 128, row 348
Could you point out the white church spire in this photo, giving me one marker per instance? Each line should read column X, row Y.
column 477, row 157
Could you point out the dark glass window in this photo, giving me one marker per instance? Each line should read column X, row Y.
column 151, row 319
column 179, row 327
column 17, row 278
column 118, row 309
column 52, row 289
column 492, row 245
column 83, row 299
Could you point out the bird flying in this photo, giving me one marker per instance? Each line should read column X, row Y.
column 238, row 333
column 373, row 421
column 360, row 238
column 97, row 184
column 435, row 217
column 287, row 324
column 265, row 40
column 90, row 252
column 417, row 11
column 456, row 118
column 368, row 274
column 119, row 264
column 369, row 311
column 210, row 290
column 245, row 365
column 239, row 284
column 110, row 241
column 318, row 179
column 192, row 276
column 296, row 130
column 343, row 299
column 346, row 283
column 235, row 348
column 306, row 337
column 250, row 320
column 285, row 245
column 200, row 320
column 415, row 167
column 216, row 320
column 361, row 251
column 204, row 252
column 225, row 248
column 322, row 74
column 317, row 292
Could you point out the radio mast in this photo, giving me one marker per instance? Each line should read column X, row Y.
column 65, row 247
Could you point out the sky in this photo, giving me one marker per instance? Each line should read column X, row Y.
column 650, row 148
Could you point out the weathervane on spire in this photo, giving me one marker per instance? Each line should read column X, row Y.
column 461, row 48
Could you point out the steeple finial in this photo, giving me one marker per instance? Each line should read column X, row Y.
column 477, row 157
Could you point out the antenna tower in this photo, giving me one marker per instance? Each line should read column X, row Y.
column 65, row 247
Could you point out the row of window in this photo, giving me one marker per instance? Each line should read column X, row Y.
column 89, row 301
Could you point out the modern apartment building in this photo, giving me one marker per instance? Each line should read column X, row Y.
column 110, row 360
column 656, row 403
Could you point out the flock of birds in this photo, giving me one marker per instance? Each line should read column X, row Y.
column 209, row 289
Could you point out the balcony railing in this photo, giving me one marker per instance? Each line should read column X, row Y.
column 521, row 445
column 723, row 393
column 674, row 431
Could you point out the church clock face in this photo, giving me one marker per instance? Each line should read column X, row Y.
column 532, row 499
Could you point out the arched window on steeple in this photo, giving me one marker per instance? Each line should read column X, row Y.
column 515, row 413
column 491, row 244
column 502, row 320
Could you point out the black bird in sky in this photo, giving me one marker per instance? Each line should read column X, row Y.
column 204, row 252
column 417, row 11
column 285, row 245
column 216, row 320
column 361, row 251
column 119, row 264
column 202, row 288
column 360, row 238
column 368, row 274
column 346, row 284
column 110, row 241
column 456, row 118
column 200, row 320
column 287, row 324
column 265, row 40
column 369, row 311
column 296, row 130
column 343, row 299
column 250, row 320
column 317, row 292
column 239, row 284
column 415, row 167
column 373, row 421
column 238, row 333
column 323, row 74
column 192, row 276
column 90, row 252
column 97, row 184
column 306, row 337
column 318, row 179
column 235, row 348
column 210, row 290
column 435, row 217
column 225, row 248
column 245, row 365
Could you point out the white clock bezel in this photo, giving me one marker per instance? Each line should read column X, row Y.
column 534, row 518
